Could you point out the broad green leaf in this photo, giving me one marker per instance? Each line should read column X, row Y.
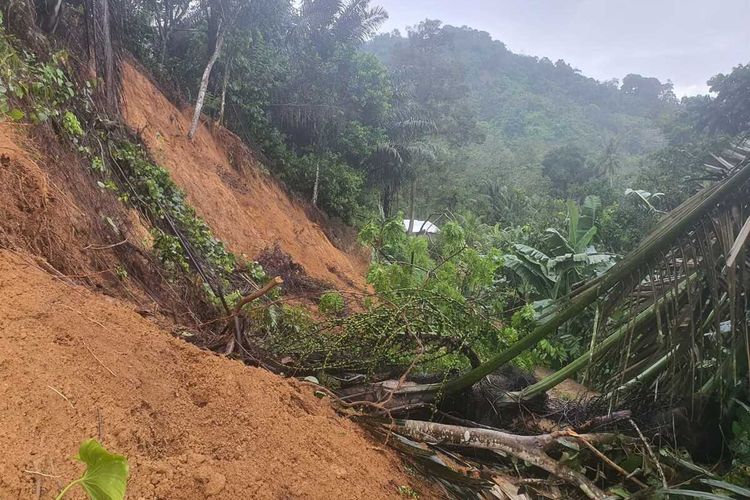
column 591, row 207
column 531, row 253
column 573, row 217
column 585, row 240
column 16, row 114
column 106, row 473
column 644, row 198
column 559, row 244
column 531, row 272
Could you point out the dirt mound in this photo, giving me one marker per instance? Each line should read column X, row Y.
column 244, row 206
column 53, row 209
column 75, row 365
column 37, row 215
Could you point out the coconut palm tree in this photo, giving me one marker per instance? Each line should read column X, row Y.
column 395, row 161
column 319, row 29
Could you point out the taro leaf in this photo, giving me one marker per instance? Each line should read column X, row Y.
column 106, row 474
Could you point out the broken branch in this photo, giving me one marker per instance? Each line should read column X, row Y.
column 257, row 294
column 527, row 448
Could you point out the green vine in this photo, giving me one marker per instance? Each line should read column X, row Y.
column 29, row 88
column 153, row 191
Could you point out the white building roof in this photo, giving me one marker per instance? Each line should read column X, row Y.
column 421, row 227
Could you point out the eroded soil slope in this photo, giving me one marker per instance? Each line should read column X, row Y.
column 245, row 207
column 74, row 365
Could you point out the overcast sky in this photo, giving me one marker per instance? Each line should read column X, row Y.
column 686, row 41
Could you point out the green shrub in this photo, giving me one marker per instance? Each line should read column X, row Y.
column 331, row 304
column 71, row 124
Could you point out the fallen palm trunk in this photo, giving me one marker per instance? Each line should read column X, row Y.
column 531, row 449
column 618, row 278
column 581, row 362
column 409, row 394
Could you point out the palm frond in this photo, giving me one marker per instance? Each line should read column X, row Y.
column 357, row 21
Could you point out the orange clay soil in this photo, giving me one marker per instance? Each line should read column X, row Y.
column 74, row 365
column 244, row 206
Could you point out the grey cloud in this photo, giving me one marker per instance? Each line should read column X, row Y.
column 686, row 41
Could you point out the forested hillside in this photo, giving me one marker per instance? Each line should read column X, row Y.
column 511, row 110
column 351, row 125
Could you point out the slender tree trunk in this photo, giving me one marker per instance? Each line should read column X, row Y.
column 90, row 26
column 163, row 52
column 51, row 16
column 316, row 185
column 386, row 202
column 411, row 205
column 224, row 93
column 204, row 84
column 109, row 61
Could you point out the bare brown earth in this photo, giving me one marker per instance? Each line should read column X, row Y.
column 244, row 206
column 75, row 365
column 568, row 389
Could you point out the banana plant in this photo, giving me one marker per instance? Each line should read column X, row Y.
column 572, row 257
column 645, row 199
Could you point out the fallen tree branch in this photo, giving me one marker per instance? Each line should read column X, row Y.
column 604, row 420
column 609, row 462
column 651, row 454
column 234, row 316
column 527, row 448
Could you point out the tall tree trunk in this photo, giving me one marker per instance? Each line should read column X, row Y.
column 224, row 93
column 671, row 227
column 386, row 199
column 204, row 84
column 90, row 25
column 316, row 185
column 411, row 205
column 214, row 28
column 109, row 61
